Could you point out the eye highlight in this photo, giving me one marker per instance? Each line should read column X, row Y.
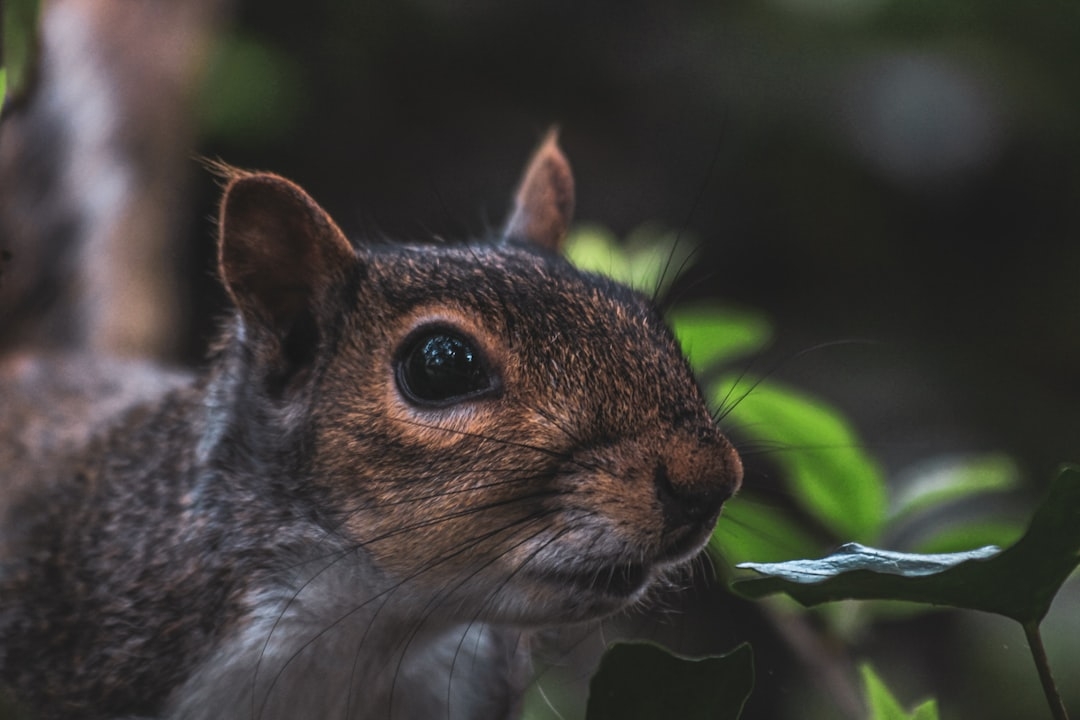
column 440, row 367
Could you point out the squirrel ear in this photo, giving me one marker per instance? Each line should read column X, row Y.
column 279, row 251
column 544, row 203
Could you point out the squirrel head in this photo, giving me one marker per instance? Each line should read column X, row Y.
column 498, row 433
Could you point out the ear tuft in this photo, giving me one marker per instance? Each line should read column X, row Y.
column 544, row 203
column 278, row 250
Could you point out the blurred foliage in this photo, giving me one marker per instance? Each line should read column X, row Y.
column 18, row 18
column 252, row 93
column 824, row 468
column 882, row 704
column 939, row 490
column 1019, row 582
column 970, row 535
column 754, row 531
column 840, row 492
column 713, row 334
column 956, row 481
column 648, row 260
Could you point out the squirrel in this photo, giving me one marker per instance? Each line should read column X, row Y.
column 399, row 463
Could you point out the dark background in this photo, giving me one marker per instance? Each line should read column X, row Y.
column 901, row 174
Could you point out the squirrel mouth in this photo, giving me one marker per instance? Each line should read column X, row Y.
column 687, row 542
column 619, row 581
column 624, row 580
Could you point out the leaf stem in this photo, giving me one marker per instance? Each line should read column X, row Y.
column 1038, row 653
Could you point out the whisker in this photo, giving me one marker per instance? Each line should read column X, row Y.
column 672, row 297
column 481, row 436
column 492, row 595
column 559, row 425
column 437, row 599
column 776, row 448
column 796, row 550
column 481, row 488
column 336, row 557
column 558, row 455
column 689, row 216
column 547, row 701
column 724, row 409
column 384, row 594
column 681, row 286
column 458, row 514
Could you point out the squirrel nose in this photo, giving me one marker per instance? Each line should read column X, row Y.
column 696, row 494
column 684, row 506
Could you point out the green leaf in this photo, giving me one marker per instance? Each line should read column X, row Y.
column 955, row 480
column 749, row 529
column 595, row 249
column 19, row 23
column 648, row 261
column 824, row 467
column 975, row 533
column 710, row 335
column 640, row 681
column 551, row 697
column 883, row 706
column 3, row 86
column 252, row 92
column 1019, row 582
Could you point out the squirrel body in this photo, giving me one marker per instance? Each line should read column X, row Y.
column 399, row 462
column 288, row 629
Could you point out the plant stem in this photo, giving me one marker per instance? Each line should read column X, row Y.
column 828, row 663
column 1042, row 664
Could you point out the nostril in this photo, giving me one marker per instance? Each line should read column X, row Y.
column 686, row 505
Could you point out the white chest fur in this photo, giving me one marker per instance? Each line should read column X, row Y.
column 328, row 653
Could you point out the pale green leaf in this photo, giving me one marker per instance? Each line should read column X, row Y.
column 882, row 704
column 974, row 533
column 750, row 530
column 648, row 260
column 18, row 43
column 824, row 466
column 710, row 334
column 595, row 249
column 955, row 479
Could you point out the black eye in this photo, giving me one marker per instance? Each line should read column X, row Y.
column 440, row 367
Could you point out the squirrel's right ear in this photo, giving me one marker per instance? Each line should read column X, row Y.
column 544, row 203
column 279, row 252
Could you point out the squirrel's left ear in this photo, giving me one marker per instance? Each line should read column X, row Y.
column 279, row 251
column 544, row 203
